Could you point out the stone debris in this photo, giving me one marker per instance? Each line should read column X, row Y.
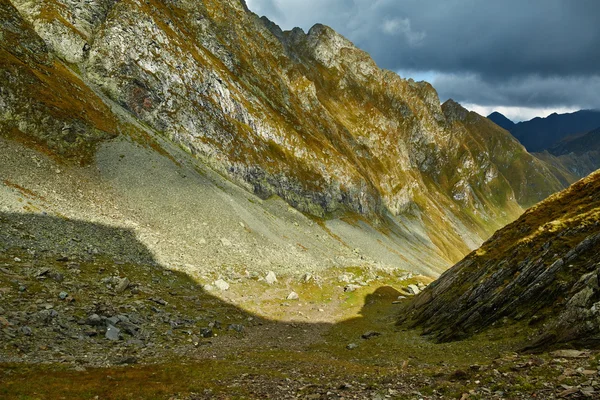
column 292, row 296
column 413, row 289
column 351, row 288
column 122, row 285
column 112, row 333
column 568, row 353
column 221, row 284
column 271, row 278
column 370, row 335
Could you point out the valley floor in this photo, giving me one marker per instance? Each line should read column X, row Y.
column 175, row 340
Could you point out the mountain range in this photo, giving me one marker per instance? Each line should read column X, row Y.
column 540, row 134
column 246, row 211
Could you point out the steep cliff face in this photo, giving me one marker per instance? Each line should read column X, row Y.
column 305, row 116
column 42, row 102
column 541, row 271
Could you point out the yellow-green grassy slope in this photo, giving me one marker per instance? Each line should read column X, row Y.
column 540, row 272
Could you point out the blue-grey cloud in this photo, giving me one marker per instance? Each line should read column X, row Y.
column 509, row 47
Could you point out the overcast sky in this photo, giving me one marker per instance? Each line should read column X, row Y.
column 523, row 58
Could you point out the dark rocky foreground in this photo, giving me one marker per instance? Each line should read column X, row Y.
column 86, row 312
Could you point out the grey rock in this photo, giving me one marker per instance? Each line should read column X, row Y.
column 236, row 327
column 158, row 301
column 206, row 333
column 63, row 295
column 122, row 285
column 352, row 346
column 95, row 320
column 25, row 330
column 112, row 333
column 370, row 335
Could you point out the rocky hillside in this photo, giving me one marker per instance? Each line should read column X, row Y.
column 539, row 273
column 304, row 117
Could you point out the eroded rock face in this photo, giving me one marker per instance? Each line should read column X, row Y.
column 305, row 116
column 41, row 100
column 541, row 271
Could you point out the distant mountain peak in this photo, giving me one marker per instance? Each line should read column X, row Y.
column 501, row 120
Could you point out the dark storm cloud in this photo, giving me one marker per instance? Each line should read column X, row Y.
column 513, row 52
column 529, row 91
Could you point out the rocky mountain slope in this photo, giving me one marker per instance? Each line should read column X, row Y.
column 539, row 273
column 305, row 117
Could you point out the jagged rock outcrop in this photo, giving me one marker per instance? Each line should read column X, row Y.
column 305, row 116
column 541, row 272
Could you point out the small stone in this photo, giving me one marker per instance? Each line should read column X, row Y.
column 307, row 277
column 352, row 346
column 351, row 288
column 292, row 296
column 208, row 288
column 25, row 330
column 221, row 284
column 370, row 334
column 236, row 327
column 589, row 372
column 344, row 278
column 63, row 295
column 271, row 278
column 122, row 285
column 215, row 325
column 568, row 353
column 158, row 301
column 17, row 259
column 128, row 360
column 226, row 242
column 206, row 333
column 94, row 320
column 413, row 289
column 57, row 276
column 112, row 333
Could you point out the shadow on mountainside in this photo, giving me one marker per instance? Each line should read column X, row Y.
column 86, row 311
